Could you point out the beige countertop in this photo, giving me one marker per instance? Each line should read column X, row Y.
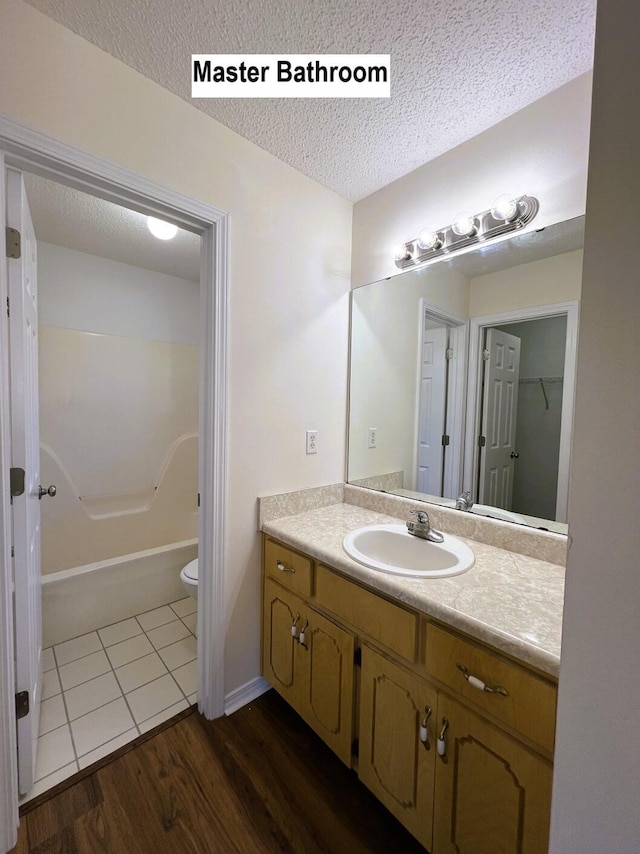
column 508, row 600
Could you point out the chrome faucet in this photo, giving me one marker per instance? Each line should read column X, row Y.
column 464, row 502
column 422, row 528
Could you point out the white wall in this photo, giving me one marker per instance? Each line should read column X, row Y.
column 290, row 260
column 93, row 294
column 541, row 151
column 595, row 803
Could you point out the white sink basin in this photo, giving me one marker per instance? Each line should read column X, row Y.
column 498, row 513
column 391, row 548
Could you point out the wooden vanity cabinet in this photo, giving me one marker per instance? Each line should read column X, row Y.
column 315, row 676
column 488, row 790
column 492, row 794
column 394, row 763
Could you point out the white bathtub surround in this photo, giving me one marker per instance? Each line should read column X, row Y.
column 106, row 687
column 75, row 601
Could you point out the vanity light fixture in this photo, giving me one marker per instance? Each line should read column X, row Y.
column 505, row 215
column 161, row 229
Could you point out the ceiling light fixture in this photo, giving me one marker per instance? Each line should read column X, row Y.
column 505, row 215
column 161, row 229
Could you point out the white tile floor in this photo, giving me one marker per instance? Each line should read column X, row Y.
column 105, row 688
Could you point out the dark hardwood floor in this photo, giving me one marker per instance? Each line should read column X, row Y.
column 258, row 781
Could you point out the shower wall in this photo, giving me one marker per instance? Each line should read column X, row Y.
column 118, row 407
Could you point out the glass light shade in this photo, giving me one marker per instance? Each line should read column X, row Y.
column 161, row 229
column 428, row 239
column 401, row 252
column 504, row 207
column 464, row 224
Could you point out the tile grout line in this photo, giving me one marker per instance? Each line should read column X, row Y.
column 115, row 676
column 104, row 648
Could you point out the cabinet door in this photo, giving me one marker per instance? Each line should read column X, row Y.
column 326, row 674
column 493, row 795
column 394, row 763
column 280, row 649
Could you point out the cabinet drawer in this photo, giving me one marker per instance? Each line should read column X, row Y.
column 530, row 707
column 289, row 568
column 389, row 624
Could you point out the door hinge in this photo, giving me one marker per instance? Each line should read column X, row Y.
column 355, row 748
column 16, row 481
column 357, row 657
column 482, row 441
column 8, row 308
column 485, row 355
column 449, row 353
column 445, row 440
column 13, row 551
column 22, row 704
column 12, row 236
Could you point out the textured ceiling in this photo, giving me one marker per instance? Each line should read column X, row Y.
column 67, row 217
column 457, row 68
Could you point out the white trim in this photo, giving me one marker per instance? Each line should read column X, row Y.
column 477, row 327
column 8, row 747
column 246, row 693
column 32, row 151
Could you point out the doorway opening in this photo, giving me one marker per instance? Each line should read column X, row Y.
column 118, row 395
column 521, row 380
column 25, row 150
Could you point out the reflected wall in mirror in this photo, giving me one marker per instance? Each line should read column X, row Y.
column 462, row 378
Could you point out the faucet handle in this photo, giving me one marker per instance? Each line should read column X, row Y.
column 422, row 517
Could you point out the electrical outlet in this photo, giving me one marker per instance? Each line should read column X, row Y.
column 373, row 437
column 312, row 441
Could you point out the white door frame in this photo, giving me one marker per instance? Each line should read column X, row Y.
column 457, row 377
column 32, row 151
column 477, row 327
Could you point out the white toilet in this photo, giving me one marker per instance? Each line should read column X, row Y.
column 189, row 578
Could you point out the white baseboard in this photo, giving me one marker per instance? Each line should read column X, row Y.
column 245, row 694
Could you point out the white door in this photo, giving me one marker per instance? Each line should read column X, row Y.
column 499, row 409
column 25, row 456
column 432, row 406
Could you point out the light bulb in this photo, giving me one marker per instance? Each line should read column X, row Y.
column 464, row 224
column 504, row 207
column 428, row 239
column 401, row 252
column 161, row 229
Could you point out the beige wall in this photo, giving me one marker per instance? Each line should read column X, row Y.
column 595, row 807
column 285, row 304
column 541, row 150
column 551, row 280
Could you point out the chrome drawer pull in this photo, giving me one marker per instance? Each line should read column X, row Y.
column 284, row 568
column 424, row 732
column 480, row 685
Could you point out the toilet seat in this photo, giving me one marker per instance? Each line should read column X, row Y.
column 190, row 571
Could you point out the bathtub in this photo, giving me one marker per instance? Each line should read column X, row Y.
column 79, row 600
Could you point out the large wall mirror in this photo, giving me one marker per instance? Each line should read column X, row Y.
column 462, row 378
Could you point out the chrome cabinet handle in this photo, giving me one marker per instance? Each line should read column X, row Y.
column 424, row 732
column 294, row 627
column 284, row 568
column 303, row 630
column 479, row 684
column 51, row 491
column 442, row 747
